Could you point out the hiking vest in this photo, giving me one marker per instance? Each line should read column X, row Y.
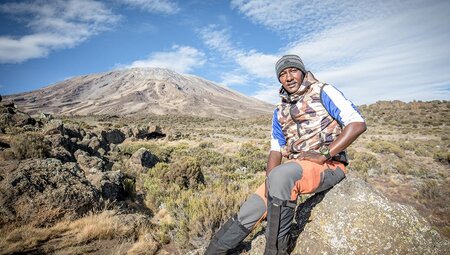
column 305, row 122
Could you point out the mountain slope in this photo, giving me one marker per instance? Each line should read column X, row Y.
column 140, row 91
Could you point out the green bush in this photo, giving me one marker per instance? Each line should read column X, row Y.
column 385, row 147
column 430, row 190
column 30, row 145
column 363, row 161
column 254, row 159
column 442, row 156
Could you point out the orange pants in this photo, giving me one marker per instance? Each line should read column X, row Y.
column 286, row 182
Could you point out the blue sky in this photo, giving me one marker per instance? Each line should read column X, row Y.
column 370, row 50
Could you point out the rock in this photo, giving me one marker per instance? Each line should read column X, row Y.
column 155, row 132
column 101, row 152
column 73, row 131
column 147, row 132
column 94, row 144
column 127, row 131
column 141, row 160
column 45, row 117
column 139, row 132
column 352, row 218
column 89, row 164
column 114, row 136
column 41, row 191
column 4, row 145
column 62, row 147
column 110, row 184
column 54, row 127
column 10, row 116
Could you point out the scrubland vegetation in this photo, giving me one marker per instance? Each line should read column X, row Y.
column 207, row 167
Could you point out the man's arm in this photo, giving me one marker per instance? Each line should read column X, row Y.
column 273, row 161
column 347, row 137
column 345, row 112
column 276, row 144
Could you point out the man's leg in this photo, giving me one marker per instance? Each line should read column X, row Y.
column 240, row 225
column 285, row 183
column 281, row 206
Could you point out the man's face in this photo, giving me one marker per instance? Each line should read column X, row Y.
column 291, row 78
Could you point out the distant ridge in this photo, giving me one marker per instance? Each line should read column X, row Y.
column 140, row 91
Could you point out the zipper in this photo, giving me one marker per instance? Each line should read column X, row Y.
column 296, row 122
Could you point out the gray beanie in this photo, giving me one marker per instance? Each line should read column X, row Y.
column 289, row 61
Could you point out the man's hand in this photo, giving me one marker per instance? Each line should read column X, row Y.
column 313, row 157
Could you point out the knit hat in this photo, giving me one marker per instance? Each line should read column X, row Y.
column 289, row 61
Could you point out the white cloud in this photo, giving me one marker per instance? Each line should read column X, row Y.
column 219, row 39
column 397, row 54
column 54, row 25
column 259, row 64
column 253, row 63
column 182, row 59
column 230, row 78
column 154, row 6
column 268, row 94
column 401, row 57
column 292, row 18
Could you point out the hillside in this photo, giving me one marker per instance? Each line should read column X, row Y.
column 170, row 181
column 139, row 91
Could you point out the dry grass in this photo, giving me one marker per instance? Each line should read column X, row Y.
column 102, row 226
column 146, row 245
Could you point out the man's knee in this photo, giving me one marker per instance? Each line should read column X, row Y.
column 281, row 180
column 331, row 178
column 251, row 211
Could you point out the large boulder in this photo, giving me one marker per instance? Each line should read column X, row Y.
column 352, row 218
column 89, row 164
column 111, row 184
column 62, row 147
column 147, row 132
column 114, row 136
column 141, row 160
column 41, row 191
column 11, row 116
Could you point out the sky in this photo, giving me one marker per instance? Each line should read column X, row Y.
column 370, row 50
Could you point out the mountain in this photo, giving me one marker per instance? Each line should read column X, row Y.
column 140, row 91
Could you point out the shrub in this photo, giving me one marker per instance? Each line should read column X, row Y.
column 363, row 161
column 430, row 190
column 252, row 158
column 442, row 156
column 386, row 147
column 30, row 145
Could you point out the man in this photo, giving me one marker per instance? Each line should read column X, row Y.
column 312, row 126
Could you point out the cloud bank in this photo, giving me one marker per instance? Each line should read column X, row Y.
column 371, row 51
column 153, row 6
column 182, row 59
column 54, row 25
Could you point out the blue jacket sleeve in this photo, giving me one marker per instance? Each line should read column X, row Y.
column 278, row 140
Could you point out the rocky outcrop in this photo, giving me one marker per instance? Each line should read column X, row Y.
column 111, row 184
column 40, row 191
column 11, row 116
column 352, row 218
column 114, row 136
column 141, row 160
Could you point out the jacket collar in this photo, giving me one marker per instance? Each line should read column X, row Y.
column 308, row 80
